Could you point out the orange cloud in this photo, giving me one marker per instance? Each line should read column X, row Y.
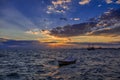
column 63, row 4
column 109, row 1
column 60, row 2
column 91, row 39
column 83, row 2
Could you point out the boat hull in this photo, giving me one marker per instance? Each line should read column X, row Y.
column 63, row 63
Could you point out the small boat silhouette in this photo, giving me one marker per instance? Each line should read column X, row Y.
column 66, row 61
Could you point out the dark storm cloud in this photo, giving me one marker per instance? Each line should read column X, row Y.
column 72, row 30
column 113, row 32
column 110, row 14
column 108, row 23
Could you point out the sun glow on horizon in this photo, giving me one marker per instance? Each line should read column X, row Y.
column 61, row 42
column 60, row 45
column 50, row 38
column 53, row 41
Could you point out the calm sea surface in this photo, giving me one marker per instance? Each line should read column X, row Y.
column 41, row 64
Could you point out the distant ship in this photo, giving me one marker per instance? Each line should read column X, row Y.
column 90, row 47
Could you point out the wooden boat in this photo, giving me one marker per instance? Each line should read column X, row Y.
column 66, row 61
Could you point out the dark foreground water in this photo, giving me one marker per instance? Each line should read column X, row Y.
column 41, row 64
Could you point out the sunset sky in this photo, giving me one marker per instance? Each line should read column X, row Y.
column 60, row 21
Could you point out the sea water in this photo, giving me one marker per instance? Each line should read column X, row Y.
column 41, row 64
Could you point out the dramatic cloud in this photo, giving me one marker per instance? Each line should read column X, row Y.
column 83, row 2
column 60, row 2
column 72, row 30
column 52, row 9
column 31, row 22
column 112, row 1
column 118, row 1
column 110, row 31
column 50, row 38
column 109, row 1
column 59, row 6
column 108, row 23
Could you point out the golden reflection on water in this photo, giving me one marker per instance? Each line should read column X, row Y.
column 60, row 45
